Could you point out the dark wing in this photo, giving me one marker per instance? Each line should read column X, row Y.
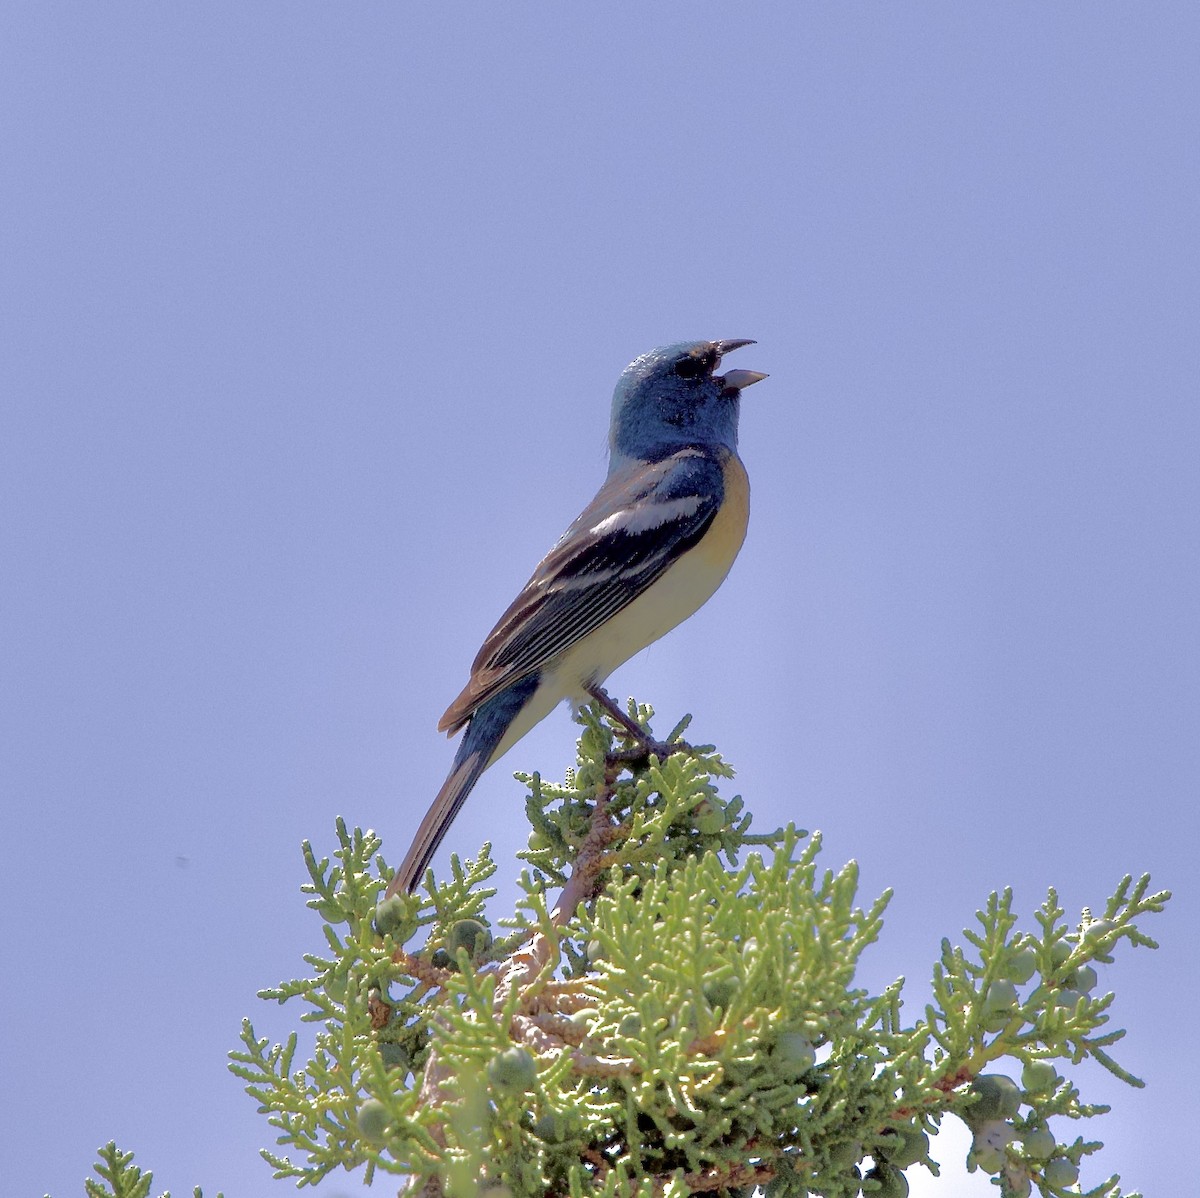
column 640, row 522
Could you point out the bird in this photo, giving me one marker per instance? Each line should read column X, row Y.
column 649, row 550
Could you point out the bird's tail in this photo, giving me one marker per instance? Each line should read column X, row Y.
column 475, row 753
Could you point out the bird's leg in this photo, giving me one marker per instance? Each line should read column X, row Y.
column 632, row 729
column 646, row 744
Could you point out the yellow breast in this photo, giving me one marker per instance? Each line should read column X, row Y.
column 728, row 530
column 682, row 590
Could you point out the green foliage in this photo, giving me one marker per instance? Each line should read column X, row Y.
column 121, row 1178
column 682, row 1018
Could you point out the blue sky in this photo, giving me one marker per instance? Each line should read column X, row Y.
column 311, row 316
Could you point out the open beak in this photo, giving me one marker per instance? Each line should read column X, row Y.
column 736, row 380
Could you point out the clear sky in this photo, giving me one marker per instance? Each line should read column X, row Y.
column 310, row 319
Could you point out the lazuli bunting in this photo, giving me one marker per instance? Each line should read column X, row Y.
column 648, row 551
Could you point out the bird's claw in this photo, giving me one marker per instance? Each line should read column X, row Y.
column 647, row 748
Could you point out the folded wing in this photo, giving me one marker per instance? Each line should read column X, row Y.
column 639, row 523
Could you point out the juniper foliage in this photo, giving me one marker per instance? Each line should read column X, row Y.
column 121, row 1178
column 672, row 1010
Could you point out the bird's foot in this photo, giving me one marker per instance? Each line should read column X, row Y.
column 644, row 745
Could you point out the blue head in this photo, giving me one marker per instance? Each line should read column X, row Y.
column 672, row 397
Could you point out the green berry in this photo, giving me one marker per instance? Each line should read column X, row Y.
column 1039, row 1143
column 1039, row 1077
column 392, row 918
column 549, row 1126
column 471, row 935
column 999, row 1002
column 1022, row 966
column 1060, row 950
column 793, row 1054
column 1060, row 1172
column 441, row 959
column 1084, row 979
column 911, row 1142
column 1001, row 995
column 514, row 1071
column 846, row 1152
column 996, row 1022
column 709, row 816
column 395, row 1056
column 595, row 951
column 987, row 1148
column 630, row 1025
column 986, row 1157
column 1018, row 1184
column 892, row 1183
column 1067, row 998
column 372, row 1119
column 719, row 992
column 537, row 840
column 999, row 1097
column 1098, row 928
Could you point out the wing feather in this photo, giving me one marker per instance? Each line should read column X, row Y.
column 639, row 523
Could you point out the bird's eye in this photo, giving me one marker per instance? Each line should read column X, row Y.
column 691, row 368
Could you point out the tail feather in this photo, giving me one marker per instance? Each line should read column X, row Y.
column 438, row 819
column 475, row 753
